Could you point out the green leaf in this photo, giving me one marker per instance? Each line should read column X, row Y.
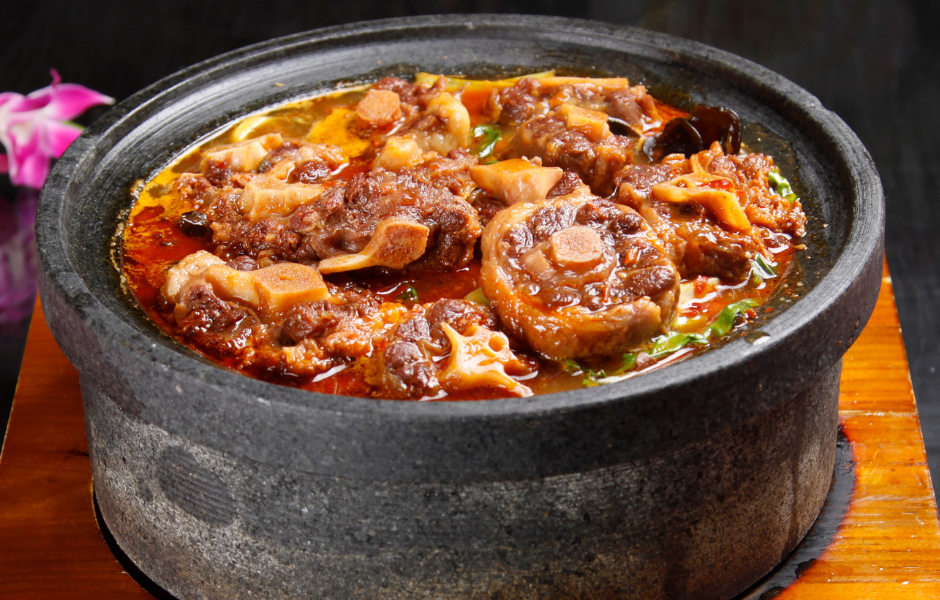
column 665, row 345
column 485, row 138
column 409, row 295
column 763, row 268
column 780, row 185
column 724, row 322
column 629, row 363
column 572, row 366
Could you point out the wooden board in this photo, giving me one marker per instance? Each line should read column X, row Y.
column 887, row 545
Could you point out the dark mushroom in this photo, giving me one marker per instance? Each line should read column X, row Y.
column 708, row 124
column 195, row 224
column 679, row 136
column 718, row 124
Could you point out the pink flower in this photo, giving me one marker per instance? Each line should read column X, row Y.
column 17, row 256
column 33, row 128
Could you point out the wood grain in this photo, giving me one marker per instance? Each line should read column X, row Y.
column 50, row 545
column 887, row 546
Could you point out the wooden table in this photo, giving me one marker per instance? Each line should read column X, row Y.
column 886, row 544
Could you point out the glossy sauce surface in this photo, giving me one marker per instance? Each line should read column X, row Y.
column 153, row 242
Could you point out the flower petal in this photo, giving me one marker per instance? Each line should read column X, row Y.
column 57, row 137
column 31, row 170
column 4, row 164
column 70, row 100
column 6, row 97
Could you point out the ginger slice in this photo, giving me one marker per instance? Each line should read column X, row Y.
column 516, row 180
column 282, row 286
column 481, row 359
column 394, row 244
column 378, row 108
column 246, row 155
column 591, row 123
column 706, row 189
column 267, row 195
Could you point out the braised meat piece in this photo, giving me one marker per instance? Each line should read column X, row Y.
column 577, row 276
column 448, row 345
column 531, row 97
column 381, row 196
column 577, row 140
column 704, row 210
column 436, row 119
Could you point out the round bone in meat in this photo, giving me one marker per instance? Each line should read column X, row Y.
column 396, row 243
column 577, row 276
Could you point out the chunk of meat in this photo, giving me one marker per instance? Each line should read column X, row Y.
column 346, row 326
column 515, row 180
column 697, row 239
column 380, row 196
column 419, row 359
column 762, row 206
column 576, row 276
column 271, row 291
column 378, row 108
column 444, row 126
column 714, row 192
column 180, row 275
column 531, row 97
column 297, row 161
column 595, row 159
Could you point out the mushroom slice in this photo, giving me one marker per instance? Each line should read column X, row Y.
column 378, row 108
column 481, row 359
column 395, row 243
column 516, row 180
column 711, row 191
column 267, row 195
column 246, row 155
column 282, row 286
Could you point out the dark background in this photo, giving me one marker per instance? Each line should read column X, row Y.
column 875, row 63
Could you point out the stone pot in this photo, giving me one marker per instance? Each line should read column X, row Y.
column 692, row 481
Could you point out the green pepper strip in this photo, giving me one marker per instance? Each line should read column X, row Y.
column 490, row 135
column 762, row 268
column 780, row 185
column 665, row 345
column 409, row 295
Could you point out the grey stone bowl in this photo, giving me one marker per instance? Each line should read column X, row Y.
column 689, row 482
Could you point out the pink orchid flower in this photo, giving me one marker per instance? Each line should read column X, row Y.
column 34, row 128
